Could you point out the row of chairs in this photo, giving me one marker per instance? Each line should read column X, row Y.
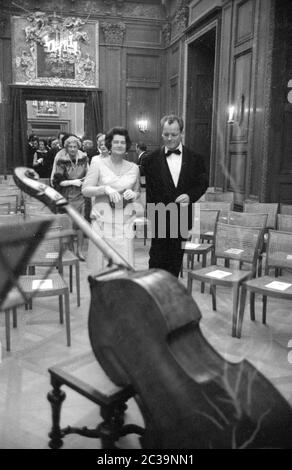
column 238, row 236
column 53, row 254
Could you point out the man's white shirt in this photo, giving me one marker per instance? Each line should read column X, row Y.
column 174, row 164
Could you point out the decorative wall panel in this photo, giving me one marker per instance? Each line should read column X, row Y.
column 143, row 67
column 244, row 21
column 241, row 96
column 143, row 103
column 146, row 36
column 237, row 172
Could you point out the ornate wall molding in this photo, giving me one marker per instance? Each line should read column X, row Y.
column 114, row 7
column 181, row 18
column 55, row 51
column 113, row 32
column 166, row 34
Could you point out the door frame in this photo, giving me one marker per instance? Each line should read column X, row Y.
column 197, row 34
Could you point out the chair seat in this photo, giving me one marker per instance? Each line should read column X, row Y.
column 261, row 286
column 220, row 275
column 197, row 248
column 58, row 285
column 68, row 257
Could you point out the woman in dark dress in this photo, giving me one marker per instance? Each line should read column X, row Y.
column 70, row 171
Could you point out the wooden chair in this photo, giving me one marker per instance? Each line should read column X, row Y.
column 222, row 207
column 271, row 209
column 10, row 198
column 52, row 285
column 279, row 256
column 286, row 209
column 227, row 196
column 232, row 242
column 13, row 300
column 245, row 219
column 54, row 252
column 284, row 222
column 204, row 223
column 5, row 208
column 87, row 378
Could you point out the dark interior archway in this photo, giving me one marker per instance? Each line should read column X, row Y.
column 93, row 114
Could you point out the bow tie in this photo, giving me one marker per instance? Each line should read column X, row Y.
column 169, row 152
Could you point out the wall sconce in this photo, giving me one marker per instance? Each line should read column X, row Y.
column 231, row 112
column 143, row 125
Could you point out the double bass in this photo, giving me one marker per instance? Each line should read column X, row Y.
column 144, row 330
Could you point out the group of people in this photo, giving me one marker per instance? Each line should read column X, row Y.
column 173, row 174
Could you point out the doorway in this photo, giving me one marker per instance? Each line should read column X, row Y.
column 201, row 57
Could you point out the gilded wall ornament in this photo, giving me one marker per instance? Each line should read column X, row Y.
column 166, row 34
column 113, row 32
column 181, row 18
column 114, row 7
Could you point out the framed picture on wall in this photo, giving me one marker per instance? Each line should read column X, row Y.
column 53, row 50
column 47, row 108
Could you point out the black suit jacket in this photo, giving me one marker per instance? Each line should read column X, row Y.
column 160, row 187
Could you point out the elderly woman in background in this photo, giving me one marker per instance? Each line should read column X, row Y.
column 70, row 170
column 114, row 183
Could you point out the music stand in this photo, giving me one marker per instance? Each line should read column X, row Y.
column 17, row 244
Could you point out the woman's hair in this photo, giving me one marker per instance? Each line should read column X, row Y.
column 117, row 131
column 70, row 140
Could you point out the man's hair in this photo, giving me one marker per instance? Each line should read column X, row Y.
column 170, row 119
column 142, row 146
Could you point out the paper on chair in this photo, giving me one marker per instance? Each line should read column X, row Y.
column 192, row 246
column 42, row 284
column 218, row 274
column 234, row 251
column 278, row 285
column 53, row 255
column 208, row 233
column 289, row 257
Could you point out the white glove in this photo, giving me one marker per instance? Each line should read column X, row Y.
column 76, row 182
column 129, row 194
column 114, row 196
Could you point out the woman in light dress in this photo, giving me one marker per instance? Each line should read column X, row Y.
column 114, row 183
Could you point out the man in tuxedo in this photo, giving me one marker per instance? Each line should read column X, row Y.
column 141, row 150
column 175, row 177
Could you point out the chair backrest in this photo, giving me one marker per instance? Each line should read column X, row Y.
column 216, row 206
column 50, row 247
column 10, row 219
column 271, row 209
column 284, row 222
column 246, row 219
column 204, row 223
column 286, row 209
column 5, row 208
column 227, row 196
column 10, row 198
column 238, row 242
column 279, row 250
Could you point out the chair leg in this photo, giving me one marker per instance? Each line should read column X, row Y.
column 61, row 309
column 70, row 278
column 264, row 309
column 252, row 302
column 213, row 293
column 204, row 263
column 67, row 316
column 77, row 273
column 190, row 283
column 14, row 317
column 235, row 298
column 241, row 310
column 7, row 328
column 260, row 264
